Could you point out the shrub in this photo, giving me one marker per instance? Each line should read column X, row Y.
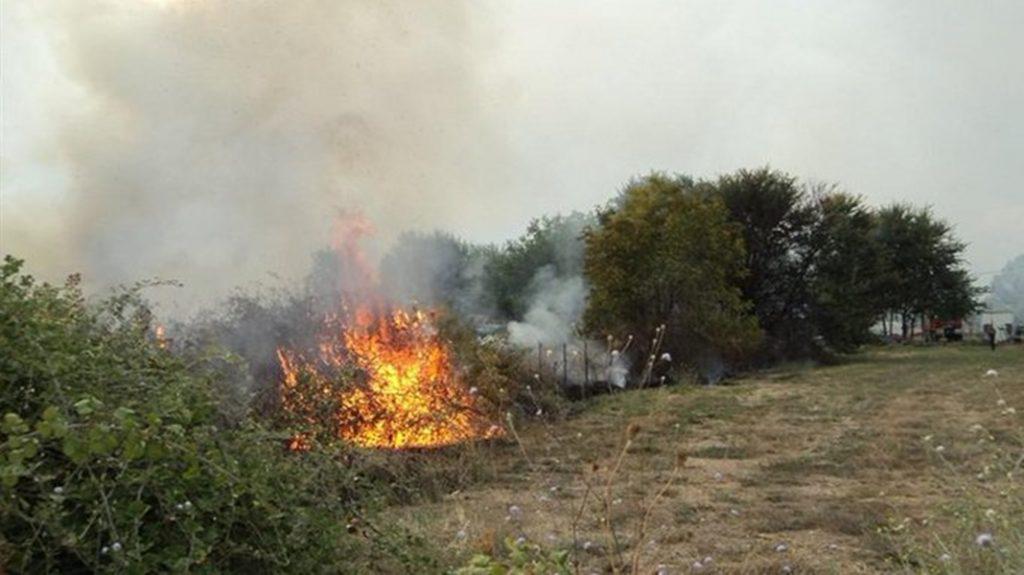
column 114, row 457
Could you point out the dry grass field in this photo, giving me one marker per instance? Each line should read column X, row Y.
column 899, row 460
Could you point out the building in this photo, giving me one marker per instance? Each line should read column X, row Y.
column 1001, row 318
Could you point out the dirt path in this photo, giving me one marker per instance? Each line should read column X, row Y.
column 793, row 469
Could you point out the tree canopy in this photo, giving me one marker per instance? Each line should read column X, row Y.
column 664, row 253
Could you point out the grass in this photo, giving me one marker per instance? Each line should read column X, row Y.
column 822, row 470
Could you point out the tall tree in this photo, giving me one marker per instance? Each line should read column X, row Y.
column 847, row 271
column 777, row 224
column 924, row 275
column 664, row 253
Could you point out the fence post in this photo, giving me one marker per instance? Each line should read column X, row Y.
column 565, row 365
column 586, row 370
column 540, row 360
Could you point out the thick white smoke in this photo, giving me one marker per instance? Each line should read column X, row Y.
column 214, row 140
column 555, row 309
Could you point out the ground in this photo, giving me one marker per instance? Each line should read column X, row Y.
column 854, row 468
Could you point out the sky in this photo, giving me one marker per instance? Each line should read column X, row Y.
column 213, row 141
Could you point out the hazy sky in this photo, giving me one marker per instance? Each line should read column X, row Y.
column 214, row 139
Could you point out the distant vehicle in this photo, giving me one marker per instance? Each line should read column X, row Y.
column 950, row 329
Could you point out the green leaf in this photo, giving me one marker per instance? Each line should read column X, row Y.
column 101, row 440
column 14, row 424
column 75, row 448
column 9, row 474
column 51, row 413
column 124, row 414
column 133, row 447
column 87, row 405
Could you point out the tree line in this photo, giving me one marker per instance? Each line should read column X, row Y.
column 758, row 267
column 751, row 267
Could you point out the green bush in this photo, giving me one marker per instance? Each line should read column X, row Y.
column 114, row 456
column 522, row 558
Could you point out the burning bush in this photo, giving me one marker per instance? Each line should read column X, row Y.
column 379, row 376
column 404, row 393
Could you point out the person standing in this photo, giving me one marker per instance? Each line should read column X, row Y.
column 990, row 333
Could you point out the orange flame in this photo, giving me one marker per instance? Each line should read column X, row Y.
column 412, row 396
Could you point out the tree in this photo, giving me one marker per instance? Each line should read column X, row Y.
column 923, row 273
column 551, row 243
column 664, row 253
column 431, row 269
column 777, row 225
column 846, row 275
column 1008, row 287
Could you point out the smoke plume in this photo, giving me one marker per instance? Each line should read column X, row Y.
column 216, row 139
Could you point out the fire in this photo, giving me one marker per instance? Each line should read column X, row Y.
column 383, row 375
column 412, row 396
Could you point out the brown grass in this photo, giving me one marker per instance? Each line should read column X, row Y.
column 815, row 459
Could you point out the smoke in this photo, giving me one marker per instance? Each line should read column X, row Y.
column 213, row 141
column 557, row 291
column 555, row 309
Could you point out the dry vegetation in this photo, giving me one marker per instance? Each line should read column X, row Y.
column 895, row 461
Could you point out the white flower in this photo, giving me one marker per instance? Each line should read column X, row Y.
column 1001, row 402
column 105, row 550
column 520, row 541
column 927, row 438
column 666, row 356
column 697, row 567
column 991, row 373
column 990, row 513
column 473, row 390
column 515, row 512
column 661, row 570
column 461, row 535
column 734, row 512
column 781, row 548
column 940, row 448
column 58, row 490
column 708, row 559
column 115, row 546
column 977, row 427
column 1010, row 411
column 587, row 545
column 787, row 569
column 984, row 540
column 945, row 557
